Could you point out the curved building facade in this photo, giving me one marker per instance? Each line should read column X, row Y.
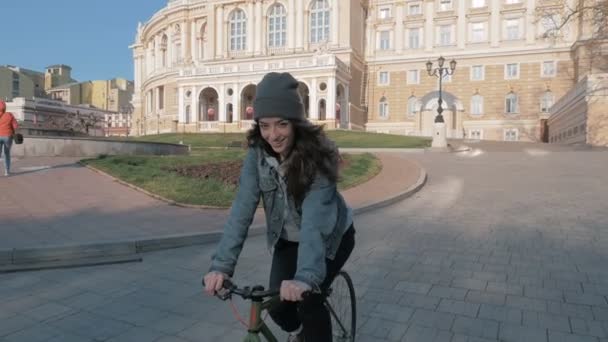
column 361, row 64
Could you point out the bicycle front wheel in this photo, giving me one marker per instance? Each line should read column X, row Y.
column 342, row 306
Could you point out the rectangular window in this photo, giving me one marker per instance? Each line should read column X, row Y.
column 509, row 2
column 415, row 9
column 384, row 13
column 476, row 134
column 511, row 134
column 477, row 104
column 511, row 105
column 385, row 42
column 512, row 28
column 413, row 77
column 383, row 109
column 445, row 5
column 383, row 78
column 414, row 38
column 447, row 78
column 511, row 71
column 478, row 3
column 477, row 73
column 548, row 69
column 445, row 35
column 478, row 32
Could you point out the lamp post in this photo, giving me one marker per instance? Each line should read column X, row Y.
column 439, row 133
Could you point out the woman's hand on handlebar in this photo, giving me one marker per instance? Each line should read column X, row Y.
column 213, row 282
column 292, row 290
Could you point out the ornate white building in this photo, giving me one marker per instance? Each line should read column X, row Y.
column 361, row 64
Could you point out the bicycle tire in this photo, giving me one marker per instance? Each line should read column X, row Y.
column 342, row 305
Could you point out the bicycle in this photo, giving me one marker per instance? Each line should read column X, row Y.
column 339, row 299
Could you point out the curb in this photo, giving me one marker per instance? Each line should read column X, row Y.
column 15, row 260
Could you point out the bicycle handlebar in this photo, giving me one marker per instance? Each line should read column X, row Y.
column 254, row 293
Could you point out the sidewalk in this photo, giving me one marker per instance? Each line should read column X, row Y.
column 54, row 209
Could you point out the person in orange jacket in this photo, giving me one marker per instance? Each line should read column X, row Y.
column 8, row 127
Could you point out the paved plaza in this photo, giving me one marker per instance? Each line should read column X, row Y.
column 503, row 243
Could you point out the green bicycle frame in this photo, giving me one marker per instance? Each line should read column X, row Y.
column 257, row 325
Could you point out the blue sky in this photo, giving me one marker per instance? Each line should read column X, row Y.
column 91, row 36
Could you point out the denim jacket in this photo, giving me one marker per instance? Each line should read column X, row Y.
column 323, row 219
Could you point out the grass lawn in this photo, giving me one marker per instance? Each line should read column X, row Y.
column 149, row 173
column 200, row 141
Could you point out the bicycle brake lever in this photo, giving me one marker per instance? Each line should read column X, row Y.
column 223, row 294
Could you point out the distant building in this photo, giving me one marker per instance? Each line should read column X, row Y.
column 20, row 82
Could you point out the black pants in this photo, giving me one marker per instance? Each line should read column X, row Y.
column 311, row 312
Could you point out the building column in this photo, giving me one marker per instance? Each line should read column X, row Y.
column 345, row 107
column 314, row 105
column 193, row 46
column 461, row 25
column 334, row 27
column 258, row 28
column 184, row 39
column 495, row 23
column 429, row 27
column 330, row 109
column 399, row 28
column 210, row 49
column 221, row 103
column 156, row 100
column 181, row 115
column 236, row 103
column 299, row 14
column 291, row 25
column 530, row 28
column 219, row 46
column 157, row 58
column 194, row 105
column 169, row 49
column 251, row 30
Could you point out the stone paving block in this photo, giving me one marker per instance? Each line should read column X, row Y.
column 381, row 296
column 543, row 293
column 91, row 326
column 36, row 333
column 49, row 311
column 593, row 328
column 571, row 310
column 212, row 332
column 448, row 292
column 517, row 333
column 419, row 301
column 495, row 260
column 432, row 319
column 525, row 303
column 68, row 337
column 490, row 276
column 557, row 336
column 379, row 327
column 468, row 266
column 15, row 323
column 84, row 300
column 505, row 288
column 171, row 324
column 471, row 284
column 413, row 287
column 392, row 312
column 546, row 321
column 142, row 316
column 600, row 313
column 482, row 297
column 458, row 307
column 527, row 280
column 585, row 299
column 500, row 313
column 483, row 328
column 497, row 268
column 593, row 288
column 466, row 338
column 137, row 334
column 174, row 339
column 572, row 276
column 564, row 285
column 417, row 333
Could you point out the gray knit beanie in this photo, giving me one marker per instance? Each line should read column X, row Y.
column 277, row 96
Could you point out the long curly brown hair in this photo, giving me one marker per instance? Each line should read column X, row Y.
column 312, row 153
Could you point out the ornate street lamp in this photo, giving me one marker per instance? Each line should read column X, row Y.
column 439, row 134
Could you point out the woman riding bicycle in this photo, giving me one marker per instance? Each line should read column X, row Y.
column 293, row 166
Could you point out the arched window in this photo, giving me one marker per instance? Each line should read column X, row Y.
column 383, row 108
column 511, row 103
column 202, row 40
column 411, row 105
column 319, row 21
column 238, row 30
column 477, row 104
column 277, row 26
column 546, row 101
